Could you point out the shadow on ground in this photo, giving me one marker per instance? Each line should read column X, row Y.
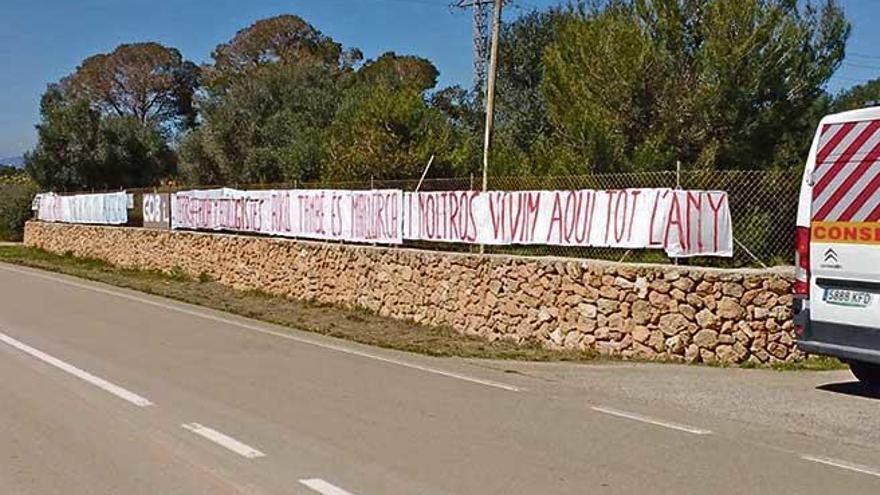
column 853, row 388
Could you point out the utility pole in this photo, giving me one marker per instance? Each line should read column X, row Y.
column 490, row 90
column 480, row 75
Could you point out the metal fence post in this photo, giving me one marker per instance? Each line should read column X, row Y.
column 678, row 174
column 677, row 187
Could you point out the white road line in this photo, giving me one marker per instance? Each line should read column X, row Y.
column 224, row 440
column 255, row 328
column 323, row 487
column 652, row 421
column 73, row 370
column 843, row 465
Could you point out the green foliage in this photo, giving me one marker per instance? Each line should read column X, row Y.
column 295, row 120
column 385, row 128
column 521, row 120
column 280, row 40
column 147, row 81
column 265, row 128
column 15, row 208
column 858, row 96
column 80, row 149
column 108, row 124
column 399, row 71
column 717, row 84
column 8, row 171
column 272, row 92
column 388, row 133
column 178, row 274
column 67, row 142
column 461, row 109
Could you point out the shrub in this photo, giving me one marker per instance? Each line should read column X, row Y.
column 15, row 209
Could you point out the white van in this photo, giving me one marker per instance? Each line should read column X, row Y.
column 837, row 287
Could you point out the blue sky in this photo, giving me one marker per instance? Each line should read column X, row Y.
column 43, row 40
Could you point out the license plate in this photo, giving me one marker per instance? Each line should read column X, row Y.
column 844, row 297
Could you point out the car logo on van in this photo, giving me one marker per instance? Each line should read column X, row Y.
column 830, row 256
column 831, row 259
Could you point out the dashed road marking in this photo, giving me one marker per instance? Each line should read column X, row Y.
column 324, row 487
column 73, row 370
column 224, row 440
column 652, row 421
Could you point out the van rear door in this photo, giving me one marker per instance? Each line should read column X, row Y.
column 845, row 232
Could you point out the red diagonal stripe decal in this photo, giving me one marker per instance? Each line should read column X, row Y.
column 832, row 143
column 860, row 201
column 869, row 190
column 874, row 215
column 844, row 158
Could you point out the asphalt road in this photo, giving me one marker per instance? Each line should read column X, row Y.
column 108, row 391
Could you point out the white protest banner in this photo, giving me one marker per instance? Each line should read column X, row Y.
column 106, row 208
column 328, row 214
column 221, row 209
column 156, row 210
column 354, row 216
column 698, row 223
column 684, row 223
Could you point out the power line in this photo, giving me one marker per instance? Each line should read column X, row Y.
column 848, row 79
column 861, row 66
column 862, row 55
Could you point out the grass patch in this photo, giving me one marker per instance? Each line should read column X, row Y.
column 356, row 325
column 812, row 363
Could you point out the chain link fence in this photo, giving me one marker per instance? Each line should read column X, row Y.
column 763, row 206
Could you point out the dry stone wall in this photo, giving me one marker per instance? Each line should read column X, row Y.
column 656, row 312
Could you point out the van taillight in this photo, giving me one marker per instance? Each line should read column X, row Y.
column 802, row 261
